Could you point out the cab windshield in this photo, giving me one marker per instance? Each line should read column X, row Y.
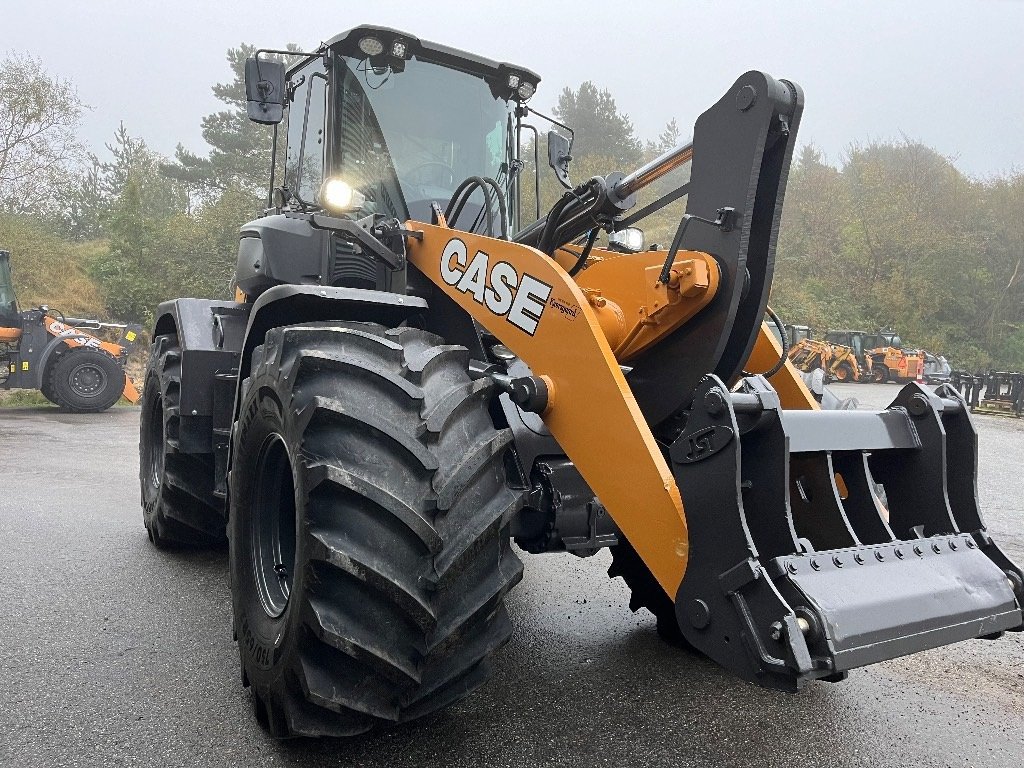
column 8, row 304
column 406, row 139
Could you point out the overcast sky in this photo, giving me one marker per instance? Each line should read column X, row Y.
column 948, row 74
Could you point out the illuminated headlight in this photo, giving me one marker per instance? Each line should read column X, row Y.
column 630, row 239
column 336, row 195
column 398, row 49
column 371, row 46
column 513, row 81
column 526, row 90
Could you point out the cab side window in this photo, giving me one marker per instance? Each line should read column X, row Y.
column 304, row 160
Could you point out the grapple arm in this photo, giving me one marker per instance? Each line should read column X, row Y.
column 827, row 540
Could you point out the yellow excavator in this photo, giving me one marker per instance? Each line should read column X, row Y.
column 413, row 376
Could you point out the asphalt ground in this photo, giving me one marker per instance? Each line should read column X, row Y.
column 113, row 653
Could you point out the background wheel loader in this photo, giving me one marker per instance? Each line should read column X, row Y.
column 41, row 349
column 412, row 377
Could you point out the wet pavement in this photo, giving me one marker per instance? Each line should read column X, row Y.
column 113, row 653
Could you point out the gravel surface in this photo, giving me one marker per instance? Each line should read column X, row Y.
column 117, row 654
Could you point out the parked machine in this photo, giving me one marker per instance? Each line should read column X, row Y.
column 41, row 349
column 937, row 369
column 838, row 362
column 881, row 354
column 411, row 378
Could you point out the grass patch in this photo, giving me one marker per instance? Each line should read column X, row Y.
column 33, row 398
column 22, row 398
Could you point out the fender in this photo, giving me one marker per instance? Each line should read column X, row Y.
column 210, row 335
column 291, row 304
column 217, row 339
column 53, row 345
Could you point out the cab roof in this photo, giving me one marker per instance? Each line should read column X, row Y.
column 348, row 43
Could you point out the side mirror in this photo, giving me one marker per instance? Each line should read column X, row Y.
column 264, row 90
column 629, row 240
column 559, row 156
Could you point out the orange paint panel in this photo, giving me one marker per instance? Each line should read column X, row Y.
column 793, row 393
column 651, row 310
column 535, row 309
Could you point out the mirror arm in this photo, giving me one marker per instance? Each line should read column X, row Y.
column 273, row 168
column 542, row 116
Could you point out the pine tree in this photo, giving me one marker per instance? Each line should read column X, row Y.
column 239, row 156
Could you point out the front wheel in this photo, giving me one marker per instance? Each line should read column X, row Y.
column 369, row 528
column 646, row 592
column 85, row 380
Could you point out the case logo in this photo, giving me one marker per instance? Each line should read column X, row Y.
column 62, row 331
column 520, row 299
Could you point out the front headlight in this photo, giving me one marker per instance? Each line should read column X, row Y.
column 630, row 240
column 338, row 196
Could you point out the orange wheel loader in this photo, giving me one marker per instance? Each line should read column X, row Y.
column 74, row 369
column 414, row 388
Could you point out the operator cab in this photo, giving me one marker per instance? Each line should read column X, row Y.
column 400, row 123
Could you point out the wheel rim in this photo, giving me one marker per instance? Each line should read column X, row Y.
column 273, row 526
column 87, row 380
column 155, row 442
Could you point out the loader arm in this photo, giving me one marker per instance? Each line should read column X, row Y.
column 773, row 569
column 673, row 315
column 533, row 307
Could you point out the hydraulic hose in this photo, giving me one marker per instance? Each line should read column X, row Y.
column 777, row 321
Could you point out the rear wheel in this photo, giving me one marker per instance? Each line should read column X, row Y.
column 85, row 380
column 879, row 373
column 369, row 528
column 843, row 372
column 178, row 504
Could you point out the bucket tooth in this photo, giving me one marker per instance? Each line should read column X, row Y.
column 822, row 541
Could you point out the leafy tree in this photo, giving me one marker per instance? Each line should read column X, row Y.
column 39, row 116
column 86, row 204
column 896, row 235
column 133, row 161
column 138, row 207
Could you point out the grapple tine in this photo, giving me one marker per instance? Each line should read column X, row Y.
column 816, row 503
column 862, row 505
column 915, row 481
column 794, row 573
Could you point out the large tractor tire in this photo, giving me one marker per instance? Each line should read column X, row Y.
column 880, row 373
column 370, row 548
column 179, row 508
column 646, row 592
column 84, row 380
